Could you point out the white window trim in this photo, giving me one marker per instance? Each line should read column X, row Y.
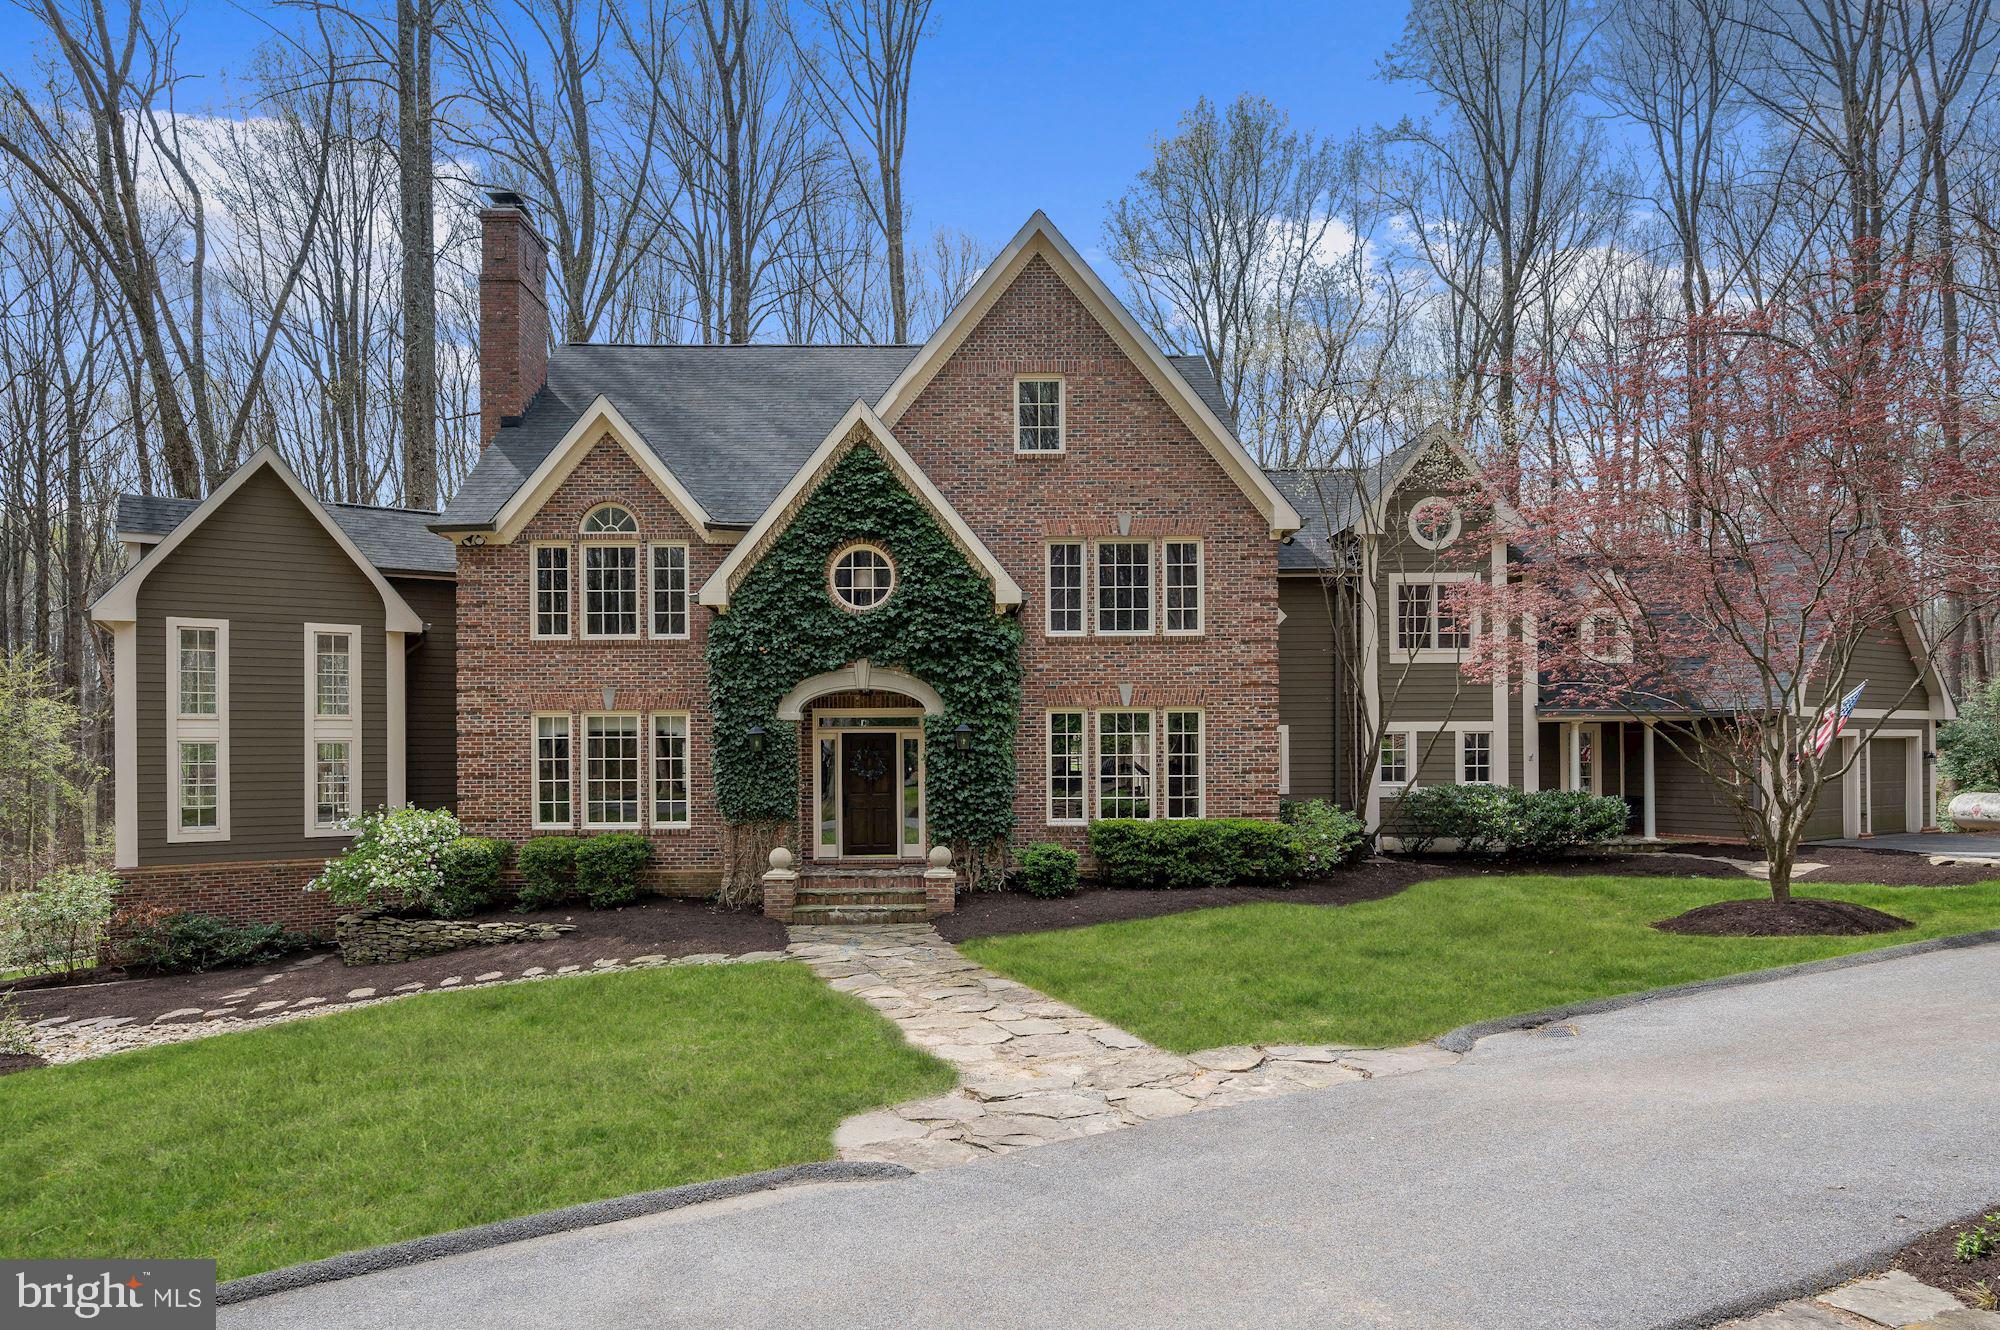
column 1085, row 608
column 1200, row 586
column 652, row 622
column 652, row 763
column 1424, row 733
column 1492, row 755
column 580, row 748
column 856, row 547
column 1048, row 757
column 1097, row 775
column 1094, row 581
column 1432, row 655
column 580, row 580
column 1284, row 759
column 1450, row 537
column 1201, row 764
column 601, row 536
column 1062, row 415
column 332, row 729
column 1587, row 633
column 535, row 771
column 534, row 591
column 197, row 729
column 1412, row 759
column 913, row 729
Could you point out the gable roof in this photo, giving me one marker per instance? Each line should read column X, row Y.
column 859, row 427
column 395, row 540
column 120, row 602
column 1331, row 500
column 1038, row 237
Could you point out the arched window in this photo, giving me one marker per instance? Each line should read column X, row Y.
column 609, row 520
column 861, row 577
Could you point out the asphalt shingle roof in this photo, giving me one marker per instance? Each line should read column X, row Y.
column 1329, row 500
column 395, row 540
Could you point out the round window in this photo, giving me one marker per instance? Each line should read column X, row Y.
column 862, row 577
column 1434, row 523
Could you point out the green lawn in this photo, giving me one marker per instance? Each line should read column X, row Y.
column 1442, row 954
column 303, row 1140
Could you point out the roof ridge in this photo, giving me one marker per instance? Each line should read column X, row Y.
column 749, row 346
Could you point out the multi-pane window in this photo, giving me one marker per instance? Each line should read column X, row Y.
column 1038, row 408
column 551, row 591
column 610, row 590
column 1183, row 751
column 197, row 652
column 670, row 771
column 1124, row 586
column 862, row 577
column 1429, row 616
column 1124, row 764
column 333, row 734
column 1181, row 582
column 610, row 520
column 1066, row 767
column 552, row 771
column 1475, row 749
column 1395, row 765
column 1066, row 587
column 611, row 771
column 670, row 591
column 199, row 788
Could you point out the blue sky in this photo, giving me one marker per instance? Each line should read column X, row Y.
column 1020, row 104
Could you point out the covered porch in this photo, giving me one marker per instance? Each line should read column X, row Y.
column 1607, row 756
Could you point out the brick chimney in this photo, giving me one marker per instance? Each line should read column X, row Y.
column 513, row 312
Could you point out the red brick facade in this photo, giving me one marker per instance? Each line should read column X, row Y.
column 256, row 891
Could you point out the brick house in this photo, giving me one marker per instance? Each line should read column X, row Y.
column 679, row 595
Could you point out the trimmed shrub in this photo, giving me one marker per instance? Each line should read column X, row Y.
column 1501, row 821
column 189, row 942
column 58, row 925
column 394, row 862
column 607, row 867
column 548, row 872
column 1046, row 870
column 1328, row 837
column 1194, row 852
column 471, row 867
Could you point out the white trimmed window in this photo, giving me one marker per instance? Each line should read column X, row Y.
column 1284, row 759
column 1067, row 795
column 1184, row 778
column 1475, row 757
column 554, row 772
column 1124, row 587
column 861, row 577
column 333, row 726
column 551, row 607
column 1038, row 415
column 1181, row 584
column 1066, row 588
column 670, row 591
column 670, row 769
column 197, row 652
column 610, row 590
column 1430, row 623
column 611, row 781
column 1395, row 768
column 1124, row 764
column 610, row 520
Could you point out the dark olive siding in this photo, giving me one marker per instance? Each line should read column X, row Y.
column 1884, row 661
column 431, row 700
column 1689, row 803
column 262, row 562
column 1308, row 685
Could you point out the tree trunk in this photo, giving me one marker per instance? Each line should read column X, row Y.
column 416, row 171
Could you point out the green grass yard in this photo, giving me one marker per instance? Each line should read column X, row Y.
column 302, row 1140
column 1442, row 954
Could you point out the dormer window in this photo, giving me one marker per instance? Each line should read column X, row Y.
column 1038, row 415
column 1605, row 637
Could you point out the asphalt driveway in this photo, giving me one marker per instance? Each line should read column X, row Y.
column 1668, row 1162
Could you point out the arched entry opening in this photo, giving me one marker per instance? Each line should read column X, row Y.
column 863, row 732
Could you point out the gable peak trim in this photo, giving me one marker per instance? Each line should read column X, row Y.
column 600, row 420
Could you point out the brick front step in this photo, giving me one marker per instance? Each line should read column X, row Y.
column 861, row 914
column 863, row 892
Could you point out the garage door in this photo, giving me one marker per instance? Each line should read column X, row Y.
column 1888, row 785
column 1827, row 820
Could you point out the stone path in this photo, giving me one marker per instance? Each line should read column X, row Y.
column 1893, row 1299
column 1757, row 868
column 67, row 1039
column 1036, row 1070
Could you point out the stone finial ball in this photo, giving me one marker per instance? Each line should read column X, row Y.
column 940, row 856
column 781, row 859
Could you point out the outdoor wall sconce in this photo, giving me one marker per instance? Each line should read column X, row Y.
column 962, row 737
column 757, row 737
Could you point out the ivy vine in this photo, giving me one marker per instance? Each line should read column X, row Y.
column 937, row 624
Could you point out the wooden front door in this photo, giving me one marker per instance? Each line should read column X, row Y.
column 868, row 789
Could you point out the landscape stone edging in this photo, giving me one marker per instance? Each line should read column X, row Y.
column 1464, row 1037
column 416, row 1251
column 371, row 937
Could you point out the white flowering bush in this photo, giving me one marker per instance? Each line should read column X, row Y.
column 57, row 926
column 396, row 861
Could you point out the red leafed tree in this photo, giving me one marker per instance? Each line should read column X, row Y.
column 1729, row 515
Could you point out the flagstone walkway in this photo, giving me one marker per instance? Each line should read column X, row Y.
column 1036, row 1070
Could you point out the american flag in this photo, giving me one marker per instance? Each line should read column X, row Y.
column 1833, row 720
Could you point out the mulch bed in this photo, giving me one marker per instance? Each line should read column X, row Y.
column 1797, row 917
column 13, row 1062
column 999, row 913
column 1930, row 1258
column 652, row 927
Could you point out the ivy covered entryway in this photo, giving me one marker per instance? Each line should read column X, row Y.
column 864, row 574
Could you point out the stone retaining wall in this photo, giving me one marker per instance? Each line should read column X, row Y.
column 369, row 938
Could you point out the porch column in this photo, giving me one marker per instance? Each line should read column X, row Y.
column 1652, row 827
column 1572, row 755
